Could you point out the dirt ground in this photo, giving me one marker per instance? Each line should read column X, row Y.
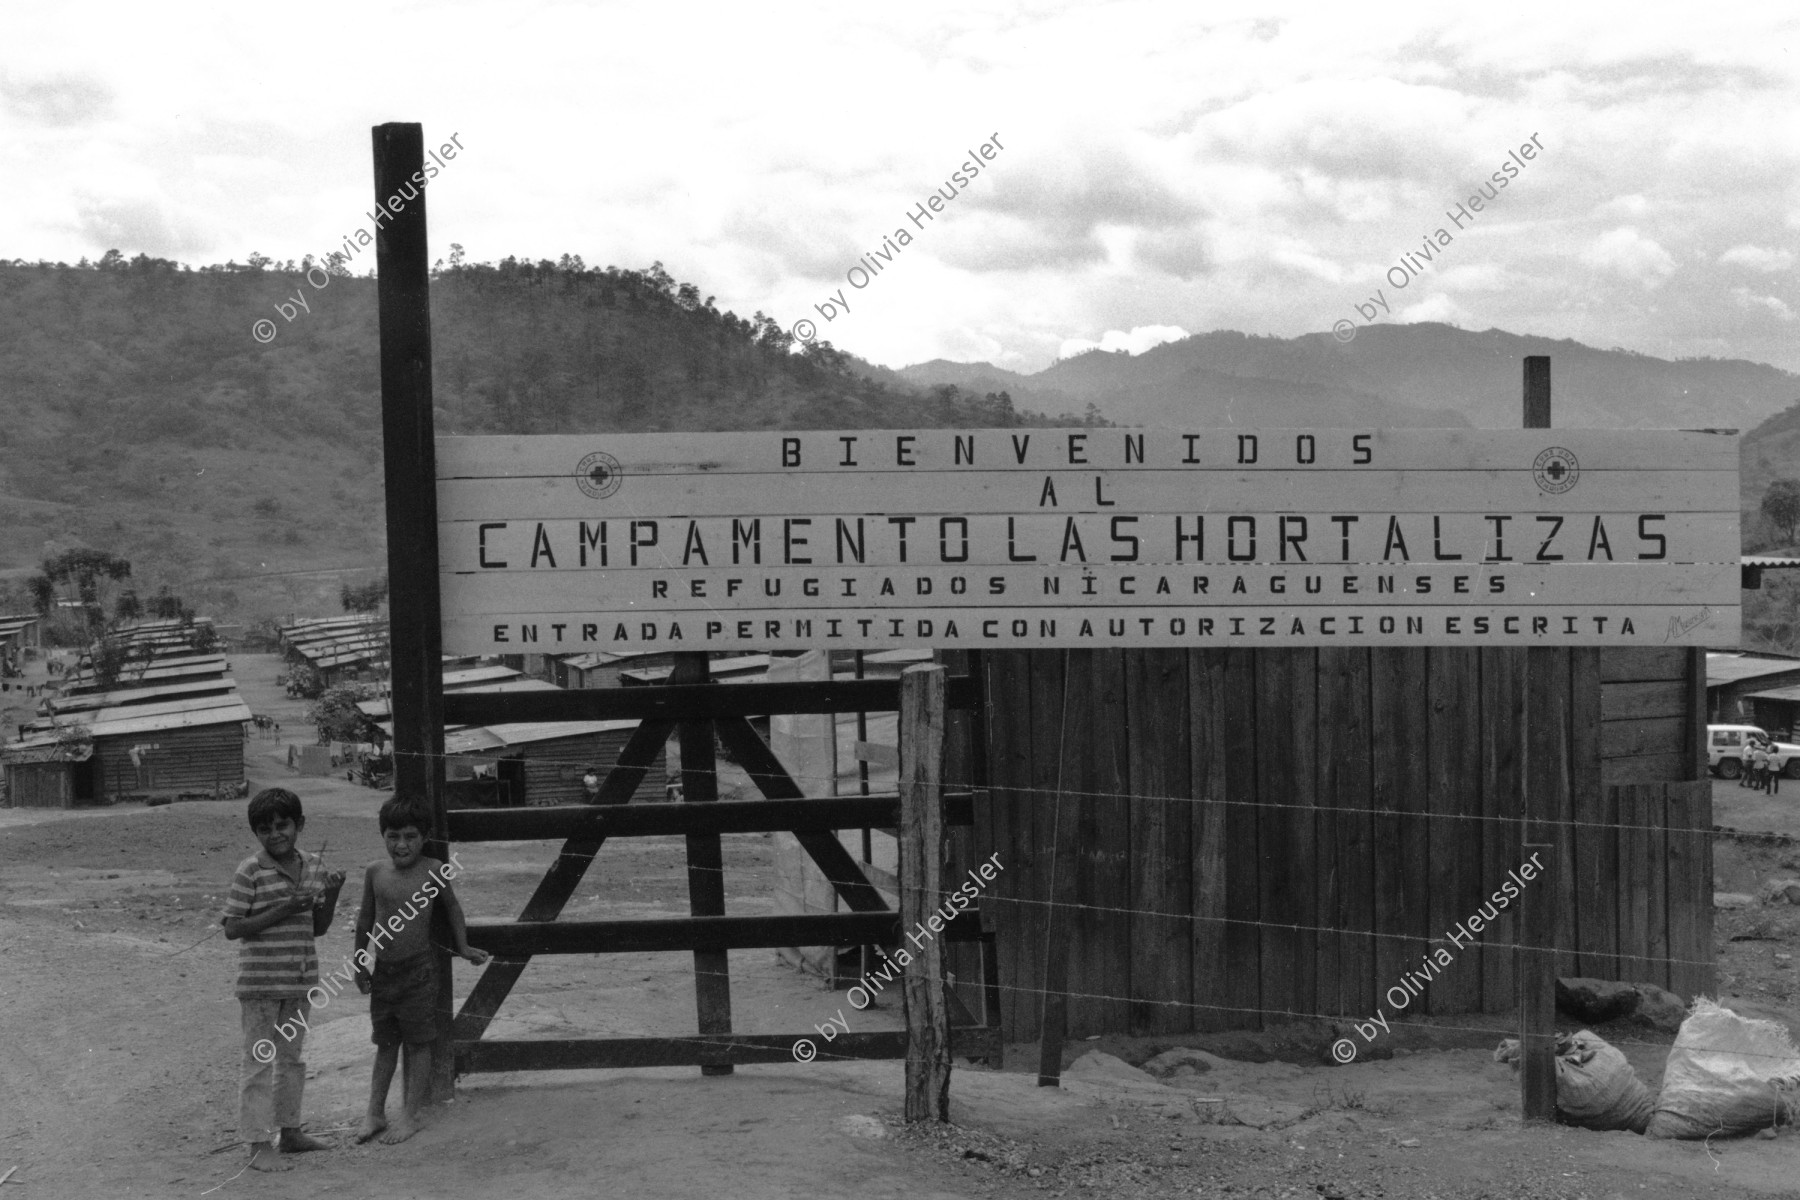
column 119, row 1050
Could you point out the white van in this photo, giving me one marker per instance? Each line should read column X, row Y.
column 1727, row 751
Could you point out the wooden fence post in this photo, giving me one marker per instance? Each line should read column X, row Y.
column 409, row 455
column 921, row 871
column 1545, row 782
column 706, row 861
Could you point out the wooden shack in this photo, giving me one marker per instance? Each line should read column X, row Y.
column 1733, row 679
column 19, row 632
column 48, row 774
column 188, row 744
column 542, row 762
column 1237, row 838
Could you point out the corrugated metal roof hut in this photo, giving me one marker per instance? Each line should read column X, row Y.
column 1732, row 679
column 47, row 774
column 193, row 744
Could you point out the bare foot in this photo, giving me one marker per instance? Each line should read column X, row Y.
column 295, row 1141
column 264, row 1158
column 401, row 1130
column 371, row 1125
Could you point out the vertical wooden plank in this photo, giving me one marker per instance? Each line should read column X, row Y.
column 1690, row 877
column 409, row 458
column 1453, row 754
column 1547, row 787
column 1345, row 835
column 921, row 883
column 1058, row 850
column 1700, row 818
column 1652, row 808
column 1207, row 703
column 705, row 861
column 1328, row 879
column 1046, row 680
column 1160, row 874
column 1008, row 718
column 1398, row 712
column 1100, row 787
column 1695, row 742
column 1595, row 825
column 1537, row 391
column 1286, row 718
column 1502, row 807
column 1243, row 943
column 963, row 844
column 1537, row 989
column 1635, row 867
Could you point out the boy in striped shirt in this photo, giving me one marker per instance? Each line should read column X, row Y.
column 280, row 901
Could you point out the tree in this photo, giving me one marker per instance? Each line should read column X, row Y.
column 367, row 597
column 85, row 569
column 43, row 593
column 306, row 682
column 1781, row 505
column 128, row 607
column 335, row 713
column 165, row 606
column 114, row 657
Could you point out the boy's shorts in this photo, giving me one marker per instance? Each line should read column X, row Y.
column 403, row 1001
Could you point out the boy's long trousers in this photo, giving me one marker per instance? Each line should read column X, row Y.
column 269, row 1097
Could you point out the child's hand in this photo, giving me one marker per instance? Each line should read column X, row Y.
column 478, row 957
column 333, row 880
column 364, row 984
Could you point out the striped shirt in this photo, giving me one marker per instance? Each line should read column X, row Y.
column 279, row 963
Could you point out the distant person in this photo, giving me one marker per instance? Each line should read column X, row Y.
column 280, row 900
column 1771, row 769
column 1759, row 766
column 590, row 786
column 395, row 967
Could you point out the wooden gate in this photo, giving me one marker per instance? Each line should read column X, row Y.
column 692, row 711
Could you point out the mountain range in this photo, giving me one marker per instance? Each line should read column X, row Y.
column 143, row 417
column 1426, row 374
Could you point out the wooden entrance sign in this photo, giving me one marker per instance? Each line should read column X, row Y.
column 1009, row 539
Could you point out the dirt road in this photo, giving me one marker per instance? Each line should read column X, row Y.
column 119, row 1048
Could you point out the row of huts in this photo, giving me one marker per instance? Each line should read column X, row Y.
column 171, row 723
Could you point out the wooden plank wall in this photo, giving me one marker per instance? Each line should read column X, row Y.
column 187, row 760
column 553, row 768
column 1260, row 835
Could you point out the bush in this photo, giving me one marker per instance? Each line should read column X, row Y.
column 335, row 714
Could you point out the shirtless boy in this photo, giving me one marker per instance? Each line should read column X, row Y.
column 393, row 934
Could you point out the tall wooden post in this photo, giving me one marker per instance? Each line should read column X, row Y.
column 921, row 881
column 409, row 456
column 1546, row 780
column 706, row 860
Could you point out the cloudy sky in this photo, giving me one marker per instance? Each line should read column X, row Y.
column 1164, row 168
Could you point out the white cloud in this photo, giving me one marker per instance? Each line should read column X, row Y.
column 1627, row 253
column 1758, row 259
column 1435, row 307
column 1634, row 205
column 1137, row 341
column 1745, row 298
column 1477, row 277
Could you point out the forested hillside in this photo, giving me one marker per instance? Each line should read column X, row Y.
column 144, row 417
